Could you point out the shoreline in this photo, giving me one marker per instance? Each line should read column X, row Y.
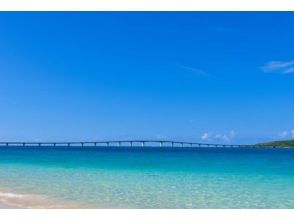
column 6, row 206
column 9, row 200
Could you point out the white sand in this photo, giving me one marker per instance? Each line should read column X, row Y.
column 10, row 200
column 5, row 206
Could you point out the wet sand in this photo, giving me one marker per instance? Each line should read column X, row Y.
column 10, row 200
column 5, row 206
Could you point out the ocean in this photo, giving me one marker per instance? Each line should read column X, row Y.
column 124, row 177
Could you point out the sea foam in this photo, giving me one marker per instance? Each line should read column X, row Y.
column 10, row 195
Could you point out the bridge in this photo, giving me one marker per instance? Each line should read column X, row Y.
column 123, row 143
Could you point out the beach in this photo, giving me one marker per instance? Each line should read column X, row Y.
column 9, row 200
column 5, row 206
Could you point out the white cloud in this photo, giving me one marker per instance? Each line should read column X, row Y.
column 279, row 67
column 227, row 137
column 205, row 136
column 161, row 137
column 284, row 134
column 287, row 134
column 195, row 70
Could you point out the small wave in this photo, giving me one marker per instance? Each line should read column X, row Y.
column 14, row 200
column 10, row 195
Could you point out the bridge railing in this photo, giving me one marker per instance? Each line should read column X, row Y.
column 123, row 143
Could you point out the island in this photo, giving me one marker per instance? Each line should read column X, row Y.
column 286, row 143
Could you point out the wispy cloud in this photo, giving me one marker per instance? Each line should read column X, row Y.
column 195, row 71
column 287, row 134
column 226, row 137
column 161, row 137
column 284, row 67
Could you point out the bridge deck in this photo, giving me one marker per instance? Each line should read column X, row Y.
column 124, row 143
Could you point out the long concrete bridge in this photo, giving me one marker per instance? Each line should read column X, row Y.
column 123, row 143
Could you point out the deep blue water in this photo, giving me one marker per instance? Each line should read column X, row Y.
column 153, row 177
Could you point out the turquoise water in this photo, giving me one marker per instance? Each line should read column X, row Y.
column 153, row 177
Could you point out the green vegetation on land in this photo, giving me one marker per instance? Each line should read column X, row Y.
column 288, row 143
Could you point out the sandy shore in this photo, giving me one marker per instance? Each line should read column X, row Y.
column 9, row 200
column 5, row 206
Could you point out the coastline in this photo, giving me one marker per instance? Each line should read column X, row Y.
column 5, row 206
column 10, row 200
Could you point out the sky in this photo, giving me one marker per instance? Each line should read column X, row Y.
column 222, row 77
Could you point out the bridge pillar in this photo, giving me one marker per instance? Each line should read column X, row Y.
column 119, row 143
column 160, row 143
column 172, row 144
column 142, row 143
column 82, row 143
column 107, row 143
column 131, row 143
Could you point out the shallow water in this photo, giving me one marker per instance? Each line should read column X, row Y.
column 153, row 177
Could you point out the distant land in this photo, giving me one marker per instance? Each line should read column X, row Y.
column 287, row 143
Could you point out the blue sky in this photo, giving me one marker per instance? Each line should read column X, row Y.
column 210, row 77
